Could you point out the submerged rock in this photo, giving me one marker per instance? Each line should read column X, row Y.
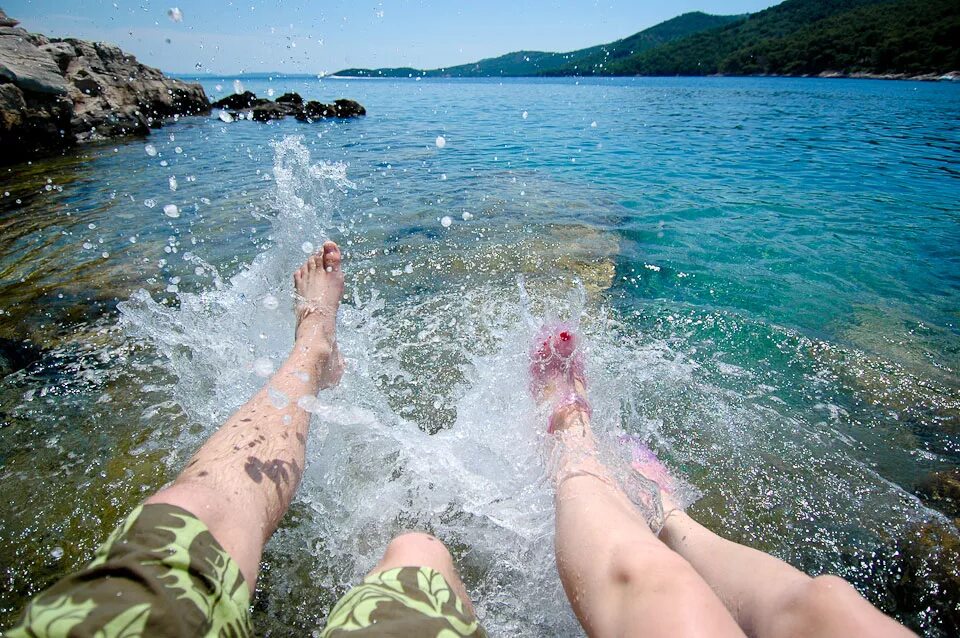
column 17, row 355
column 57, row 92
column 941, row 490
column 928, row 581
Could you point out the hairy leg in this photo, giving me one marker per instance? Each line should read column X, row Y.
column 242, row 479
column 620, row 579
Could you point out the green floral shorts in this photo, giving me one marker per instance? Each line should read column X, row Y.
column 405, row 601
column 162, row 573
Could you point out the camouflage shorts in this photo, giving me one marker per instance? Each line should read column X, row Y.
column 405, row 601
column 162, row 573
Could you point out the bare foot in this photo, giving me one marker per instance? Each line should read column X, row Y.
column 558, row 378
column 319, row 286
column 645, row 462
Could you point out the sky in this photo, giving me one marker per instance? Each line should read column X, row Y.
column 323, row 36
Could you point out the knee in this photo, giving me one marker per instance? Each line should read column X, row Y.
column 637, row 566
column 417, row 549
column 820, row 601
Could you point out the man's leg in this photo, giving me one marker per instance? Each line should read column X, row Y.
column 242, row 479
column 416, row 549
column 185, row 563
column 619, row 578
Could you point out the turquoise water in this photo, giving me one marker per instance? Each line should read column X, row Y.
column 767, row 271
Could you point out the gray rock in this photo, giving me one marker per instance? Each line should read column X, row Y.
column 57, row 92
column 7, row 22
column 61, row 52
column 32, row 123
column 28, row 67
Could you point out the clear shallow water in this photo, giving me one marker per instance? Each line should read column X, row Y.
column 768, row 280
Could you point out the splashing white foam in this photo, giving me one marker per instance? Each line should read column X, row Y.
column 461, row 453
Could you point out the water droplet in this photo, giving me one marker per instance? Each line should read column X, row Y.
column 263, row 367
column 237, row 86
column 175, row 14
column 467, row 216
column 408, row 268
column 441, row 141
column 149, row 203
column 56, row 553
column 171, row 210
column 277, row 398
column 87, row 245
column 226, row 117
column 177, row 150
column 173, row 182
column 91, row 226
column 270, row 92
column 307, row 247
column 445, row 221
column 150, row 150
column 270, row 302
column 524, row 116
column 593, row 124
column 309, row 403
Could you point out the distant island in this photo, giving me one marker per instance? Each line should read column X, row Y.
column 827, row 38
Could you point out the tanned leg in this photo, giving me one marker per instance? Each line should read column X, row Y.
column 621, row 580
column 242, row 479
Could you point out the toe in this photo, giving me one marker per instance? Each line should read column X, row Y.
column 331, row 256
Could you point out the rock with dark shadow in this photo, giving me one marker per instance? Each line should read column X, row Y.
column 290, row 98
column 238, row 101
column 55, row 93
column 314, row 110
column 246, row 105
column 941, row 490
column 273, row 111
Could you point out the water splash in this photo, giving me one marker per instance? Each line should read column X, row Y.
column 432, row 427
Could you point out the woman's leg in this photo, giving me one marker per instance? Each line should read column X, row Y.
column 619, row 578
column 768, row 597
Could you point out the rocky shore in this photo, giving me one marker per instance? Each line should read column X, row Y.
column 248, row 106
column 56, row 93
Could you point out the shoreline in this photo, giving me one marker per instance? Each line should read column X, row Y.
column 952, row 76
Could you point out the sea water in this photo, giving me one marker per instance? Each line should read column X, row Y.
column 765, row 272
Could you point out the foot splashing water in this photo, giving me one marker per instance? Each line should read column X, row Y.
column 479, row 481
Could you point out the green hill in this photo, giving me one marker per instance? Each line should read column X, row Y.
column 582, row 61
column 801, row 37
column 796, row 37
